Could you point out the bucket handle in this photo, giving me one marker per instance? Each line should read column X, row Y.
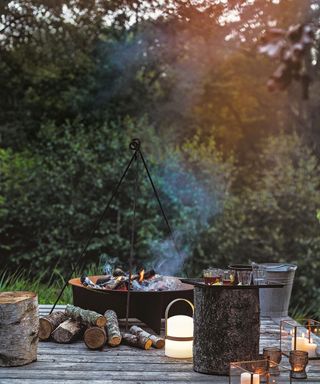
column 175, row 338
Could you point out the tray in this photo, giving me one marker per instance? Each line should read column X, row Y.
column 200, row 283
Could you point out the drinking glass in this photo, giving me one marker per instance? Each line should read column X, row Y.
column 244, row 277
column 259, row 274
column 228, row 277
column 274, row 356
column 212, row 276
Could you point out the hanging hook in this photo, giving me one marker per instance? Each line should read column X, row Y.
column 135, row 145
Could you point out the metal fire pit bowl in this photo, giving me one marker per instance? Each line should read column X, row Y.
column 149, row 307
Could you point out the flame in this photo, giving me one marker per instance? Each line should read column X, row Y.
column 141, row 275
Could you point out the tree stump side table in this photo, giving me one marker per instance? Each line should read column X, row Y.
column 226, row 325
column 19, row 325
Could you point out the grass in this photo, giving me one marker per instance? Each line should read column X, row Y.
column 309, row 311
column 47, row 288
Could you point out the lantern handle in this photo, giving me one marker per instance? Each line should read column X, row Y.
column 168, row 309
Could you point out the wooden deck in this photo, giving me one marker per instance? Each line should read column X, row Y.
column 75, row 364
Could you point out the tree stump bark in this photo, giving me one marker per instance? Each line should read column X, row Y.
column 85, row 317
column 226, row 328
column 19, row 326
column 157, row 341
column 136, row 341
column 114, row 335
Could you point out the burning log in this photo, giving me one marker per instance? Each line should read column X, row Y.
column 149, row 274
column 103, row 280
column 95, row 337
column 114, row 335
column 66, row 331
column 87, row 282
column 118, row 272
column 115, row 283
column 49, row 323
column 85, row 316
column 157, row 342
column 136, row 341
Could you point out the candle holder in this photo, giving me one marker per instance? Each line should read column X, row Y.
column 298, row 361
column 249, row 372
column 274, row 355
column 258, row 372
column 302, row 336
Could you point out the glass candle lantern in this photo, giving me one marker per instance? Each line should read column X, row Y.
column 302, row 336
column 178, row 333
column 257, row 372
column 298, row 361
column 248, row 372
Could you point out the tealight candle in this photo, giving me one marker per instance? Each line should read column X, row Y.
column 311, row 348
column 301, row 343
column 245, row 378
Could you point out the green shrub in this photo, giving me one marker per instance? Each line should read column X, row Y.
column 274, row 220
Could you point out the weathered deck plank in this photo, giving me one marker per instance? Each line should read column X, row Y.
column 75, row 364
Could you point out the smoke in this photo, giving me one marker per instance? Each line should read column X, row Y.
column 109, row 264
column 195, row 204
column 177, row 60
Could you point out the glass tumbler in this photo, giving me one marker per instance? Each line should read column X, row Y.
column 244, row 277
column 259, row 275
column 212, row 276
column 228, row 277
column 274, row 356
column 298, row 361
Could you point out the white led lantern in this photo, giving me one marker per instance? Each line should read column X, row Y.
column 178, row 333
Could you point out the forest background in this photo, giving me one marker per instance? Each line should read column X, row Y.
column 237, row 167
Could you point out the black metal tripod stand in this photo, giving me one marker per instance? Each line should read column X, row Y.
column 137, row 157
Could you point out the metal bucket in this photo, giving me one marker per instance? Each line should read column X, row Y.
column 274, row 302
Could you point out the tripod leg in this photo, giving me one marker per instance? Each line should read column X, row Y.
column 133, row 228
column 95, row 227
column 159, row 202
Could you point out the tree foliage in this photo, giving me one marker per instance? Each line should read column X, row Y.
column 236, row 167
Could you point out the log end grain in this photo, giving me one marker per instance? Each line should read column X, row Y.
column 15, row 297
column 95, row 337
column 101, row 321
column 114, row 341
column 159, row 344
column 148, row 344
column 45, row 329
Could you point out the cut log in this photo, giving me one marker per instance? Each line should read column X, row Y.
column 49, row 323
column 157, row 342
column 136, row 341
column 19, row 326
column 85, row 316
column 116, row 282
column 103, row 280
column 95, row 337
column 114, row 335
column 67, row 331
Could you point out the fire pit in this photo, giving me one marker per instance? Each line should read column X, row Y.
column 147, row 306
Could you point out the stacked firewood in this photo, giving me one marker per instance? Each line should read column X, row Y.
column 96, row 330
